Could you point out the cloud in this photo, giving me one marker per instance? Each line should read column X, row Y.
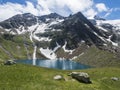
column 63, row 6
column 10, row 9
column 42, row 7
column 108, row 12
column 101, row 7
column 111, row 11
column 90, row 13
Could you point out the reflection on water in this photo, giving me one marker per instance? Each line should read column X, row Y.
column 57, row 64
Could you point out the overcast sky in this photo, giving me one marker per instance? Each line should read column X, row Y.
column 109, row 9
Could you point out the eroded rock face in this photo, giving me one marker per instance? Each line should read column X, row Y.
column 81, row 77
column 9, row 62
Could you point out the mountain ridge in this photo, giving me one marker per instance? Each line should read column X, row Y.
column 52, row 34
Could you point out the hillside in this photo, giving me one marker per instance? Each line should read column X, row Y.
column 16, row 47
column 15, row 78
column 99, row 58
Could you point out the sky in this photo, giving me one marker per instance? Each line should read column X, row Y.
column 108, row 9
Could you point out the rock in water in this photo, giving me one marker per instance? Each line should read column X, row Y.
column 9, row 62
column 81, row 77
column 58, row 77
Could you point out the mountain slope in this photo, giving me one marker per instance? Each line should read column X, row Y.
column 99, row 58
column 53, row 36
column 16, row 47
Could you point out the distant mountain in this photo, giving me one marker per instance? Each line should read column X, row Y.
column 98, row 18
column 16, row 21
column 50, row 17
column 55, row 36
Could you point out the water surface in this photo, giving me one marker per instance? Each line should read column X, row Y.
column 56, row 64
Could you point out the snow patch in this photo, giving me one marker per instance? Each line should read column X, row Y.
column 99, row 36
column 47, row 19
column 77, row 56
column 68, row 51
column 41, row 28
column 115, row 23
column 81, row 54
column 13, row 33
column 60, row 20
column 33, row 27
column 21, row 30
column 31, row 36
column 113, row 43
column 54, row 22
column 42, row 38
column 86, row 25
column 82, row 41
column 58, row 30
column 74, row 57
column 105, row 44
column 7, row 30
column 49, row 53
column 99, row 27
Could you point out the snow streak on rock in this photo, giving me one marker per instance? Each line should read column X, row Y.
column 49, row 53
column 68, row 51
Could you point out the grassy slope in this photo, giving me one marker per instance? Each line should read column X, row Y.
column 25, row 77
column 15, row 48
column 99, row 58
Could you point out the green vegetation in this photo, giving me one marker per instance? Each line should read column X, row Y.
column 14, row 47
column 26, row 77
column 99, row 58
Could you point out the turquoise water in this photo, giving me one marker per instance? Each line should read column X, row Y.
column 56, row 64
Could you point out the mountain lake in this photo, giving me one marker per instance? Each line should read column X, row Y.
column 55, row 64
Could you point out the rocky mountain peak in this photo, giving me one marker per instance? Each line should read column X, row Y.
column 18, row 20
column 51, row 16
column 28, row 14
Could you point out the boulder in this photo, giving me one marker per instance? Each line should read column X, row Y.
column 9, row 62
column 58, row 77
column 81, row 77
column 114, row 78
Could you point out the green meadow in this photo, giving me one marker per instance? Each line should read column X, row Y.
column 27, row 77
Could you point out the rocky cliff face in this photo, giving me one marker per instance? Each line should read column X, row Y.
column 63, row 37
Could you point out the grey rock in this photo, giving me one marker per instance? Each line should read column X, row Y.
column 58, row 77
column 81, row 77
column 9, row 62
column 114, row 78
